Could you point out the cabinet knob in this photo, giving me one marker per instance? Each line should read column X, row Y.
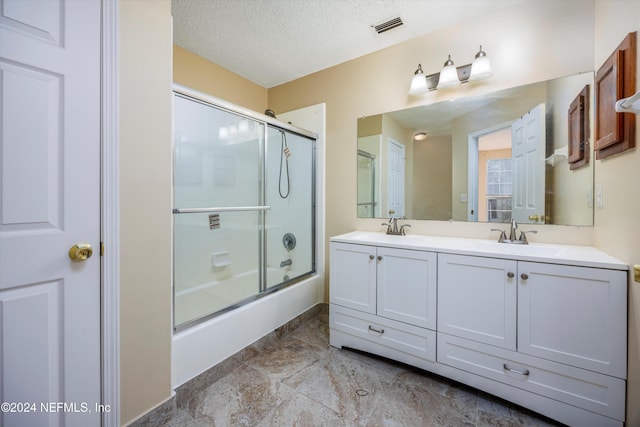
column 524, row 276
column 379, row 257
column 510, row 275
column 371, row 257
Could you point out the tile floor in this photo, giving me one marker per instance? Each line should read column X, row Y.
column 302, row 381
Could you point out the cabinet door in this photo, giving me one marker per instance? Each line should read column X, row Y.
column 477, row 299
column 407, row 286
column 353, row 276
column 574, row 315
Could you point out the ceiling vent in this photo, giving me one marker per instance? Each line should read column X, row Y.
column 387, row 25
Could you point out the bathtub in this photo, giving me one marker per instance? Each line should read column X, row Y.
column 194, row 304
column 203, row 345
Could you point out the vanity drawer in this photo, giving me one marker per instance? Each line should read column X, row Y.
column 398, row 337
column 585, row 389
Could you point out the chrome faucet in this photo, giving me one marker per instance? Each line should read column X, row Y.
column 514, row 227
column 285, row 263
column 392, row 227
column 512, row 234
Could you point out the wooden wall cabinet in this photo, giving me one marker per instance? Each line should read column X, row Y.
column 579, row 130
column 616, row 79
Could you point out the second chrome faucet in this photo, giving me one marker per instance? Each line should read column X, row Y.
column 392, row 227
column 522, row 240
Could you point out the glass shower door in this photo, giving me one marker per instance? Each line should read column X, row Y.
column 218, row 209
column 366, row 184
column 290, row 194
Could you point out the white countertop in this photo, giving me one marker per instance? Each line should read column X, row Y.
column 586, row 256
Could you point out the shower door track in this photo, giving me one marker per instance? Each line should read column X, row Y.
column 222, row 209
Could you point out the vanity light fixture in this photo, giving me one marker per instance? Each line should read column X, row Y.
column 450, row 75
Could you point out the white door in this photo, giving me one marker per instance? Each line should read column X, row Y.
column 528, row 151
column 395, row 174
column 49, row 201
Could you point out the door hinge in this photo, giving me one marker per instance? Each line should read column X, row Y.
column 101, row 248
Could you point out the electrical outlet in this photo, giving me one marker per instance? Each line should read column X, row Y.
column 599, row 197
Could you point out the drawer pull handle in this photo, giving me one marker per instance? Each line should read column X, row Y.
column 524, row 372
column 378, row 331
column 510, row 275
column 524, row 276
column 371, row 257
column 379, row 258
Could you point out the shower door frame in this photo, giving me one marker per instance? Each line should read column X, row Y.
column 263, row 289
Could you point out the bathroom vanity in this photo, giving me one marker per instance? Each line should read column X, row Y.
column 543, row 326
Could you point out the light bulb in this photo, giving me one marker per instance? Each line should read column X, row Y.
column 481, row 67
column 448, row 75
column 418, row 82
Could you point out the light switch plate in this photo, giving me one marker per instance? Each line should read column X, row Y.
column 599, row 197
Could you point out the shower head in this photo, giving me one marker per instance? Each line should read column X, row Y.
column 269, row 112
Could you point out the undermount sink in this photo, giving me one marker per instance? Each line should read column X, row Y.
column 532, row 249
column 390, row 238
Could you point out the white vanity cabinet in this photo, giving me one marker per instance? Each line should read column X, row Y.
column 567, row 314
column 386, row 297
column 352, row 280
column 543, row 326
column 574, row 315
column 477, row 299
column 556, row 330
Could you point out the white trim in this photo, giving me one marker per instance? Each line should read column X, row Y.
column 110, row 226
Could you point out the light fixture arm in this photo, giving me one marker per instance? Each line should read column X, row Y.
column 463, row 74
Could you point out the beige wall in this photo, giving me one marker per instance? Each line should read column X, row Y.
column 145, row 205
column 615, row 230
column 432, row 178
column 197, row 73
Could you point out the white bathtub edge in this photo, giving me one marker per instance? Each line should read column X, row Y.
column 201, row 347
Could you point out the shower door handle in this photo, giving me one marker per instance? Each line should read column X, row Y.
column 222, row 209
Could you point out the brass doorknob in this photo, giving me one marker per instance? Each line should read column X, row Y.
column 535, row 218
column 80, row 252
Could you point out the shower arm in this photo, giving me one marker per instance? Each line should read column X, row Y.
column 225, row 209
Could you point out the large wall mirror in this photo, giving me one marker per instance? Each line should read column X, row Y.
column 520, row 153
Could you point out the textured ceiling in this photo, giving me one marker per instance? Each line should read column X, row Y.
column 271, row 42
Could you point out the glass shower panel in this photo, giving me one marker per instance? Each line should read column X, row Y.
column 218, row 202
column 366, row 184
column 290, row 193
column 214, row 268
